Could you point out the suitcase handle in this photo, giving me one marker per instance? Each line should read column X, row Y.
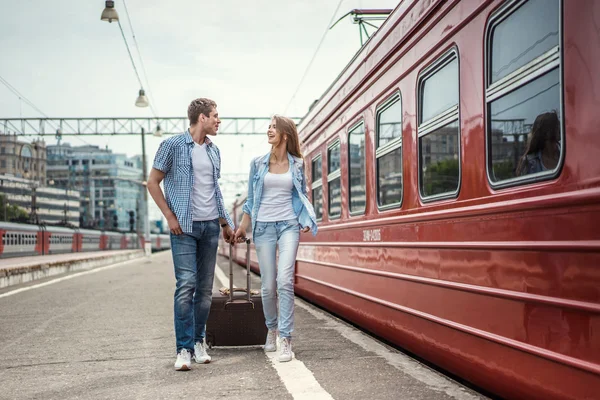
column 247, row 271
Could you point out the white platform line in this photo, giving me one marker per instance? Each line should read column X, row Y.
column 66, row 278
column 221, row 277
column 298, row 380
column 402, row 362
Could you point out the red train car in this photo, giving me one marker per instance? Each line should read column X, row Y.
column 454, row 168
column 19, row 240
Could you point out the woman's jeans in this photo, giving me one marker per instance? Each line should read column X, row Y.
column 194, row 258
column 277, row 278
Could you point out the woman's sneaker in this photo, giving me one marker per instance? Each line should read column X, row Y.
column 285, row 351
column 271, row 343
column 200, row 354
column 184, row 360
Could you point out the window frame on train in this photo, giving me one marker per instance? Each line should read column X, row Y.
column 390, row 147
column 540, row 67
column 438, row 121
column 353, row 128
column 332, row 176
column 316, row 183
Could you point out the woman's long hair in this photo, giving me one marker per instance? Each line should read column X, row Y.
column 287, row 127
column 546, row 126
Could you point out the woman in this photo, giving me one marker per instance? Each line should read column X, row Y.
column 277, row 209
column 543, row 149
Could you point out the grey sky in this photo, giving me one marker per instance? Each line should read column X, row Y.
column 248, row 56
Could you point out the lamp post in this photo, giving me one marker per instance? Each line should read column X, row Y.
column 110, row 14
column 147, row 244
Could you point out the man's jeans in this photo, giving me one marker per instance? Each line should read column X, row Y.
column 194, row 258
column 277, row 278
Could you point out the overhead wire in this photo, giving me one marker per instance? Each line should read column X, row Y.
column 137, row 47
column 314, row 56
column 22, row 98
column 137, row 74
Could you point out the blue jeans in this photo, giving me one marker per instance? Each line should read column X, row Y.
column 194, row 258
column 277, row 278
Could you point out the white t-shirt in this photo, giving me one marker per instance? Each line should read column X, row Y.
column 204, row 201
column 276, row 199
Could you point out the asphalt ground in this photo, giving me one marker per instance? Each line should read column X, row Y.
column 108, row 333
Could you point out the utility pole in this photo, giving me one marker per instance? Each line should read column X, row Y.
column 147, row 244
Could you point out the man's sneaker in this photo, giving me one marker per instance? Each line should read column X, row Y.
column 184, row 360
column 271, row 343
column 200, row 354
column 285, row 351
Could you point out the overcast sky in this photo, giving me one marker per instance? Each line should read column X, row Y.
column 249, row 56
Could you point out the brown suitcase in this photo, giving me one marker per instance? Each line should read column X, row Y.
column 236, row 316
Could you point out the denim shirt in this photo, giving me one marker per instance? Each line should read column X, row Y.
column 302, row 207
column 174, row 158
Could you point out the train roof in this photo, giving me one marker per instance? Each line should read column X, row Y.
column 395, row 30
column 13, row 226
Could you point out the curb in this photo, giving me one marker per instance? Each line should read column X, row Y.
column 23, row 274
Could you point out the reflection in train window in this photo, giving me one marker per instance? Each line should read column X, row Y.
column 389, row 153
column 438, row 129
column 357, row 169
column 524, row 132
column 333, row 181
column 317, row 187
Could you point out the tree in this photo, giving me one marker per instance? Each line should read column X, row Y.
column 11, row 212
column 441, row 177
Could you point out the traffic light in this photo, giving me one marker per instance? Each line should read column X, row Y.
column 115, row 221
column 131, row 221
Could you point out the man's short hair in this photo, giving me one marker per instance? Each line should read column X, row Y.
column 200, row 106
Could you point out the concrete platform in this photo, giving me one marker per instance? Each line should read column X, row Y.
column 108, row 334
column 14, row 271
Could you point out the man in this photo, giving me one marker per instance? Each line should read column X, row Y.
column 190, row 165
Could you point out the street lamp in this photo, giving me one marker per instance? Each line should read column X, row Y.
column 109, row 14
column 142, row 100
column 158, row 132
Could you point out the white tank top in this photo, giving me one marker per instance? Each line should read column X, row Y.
column 204, row 201
column 276, row 199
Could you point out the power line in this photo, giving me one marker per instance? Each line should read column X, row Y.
column 21, row 96
column 141, row 60
column 30, row 103
column 137, row 74
column 314, row 56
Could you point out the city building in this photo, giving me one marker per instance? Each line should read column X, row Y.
column 22, row 159
column 110, row 184
column 45, row 205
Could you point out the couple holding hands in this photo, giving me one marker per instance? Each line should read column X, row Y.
column 276, row 210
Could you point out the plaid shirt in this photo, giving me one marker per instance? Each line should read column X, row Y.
column 174, row 158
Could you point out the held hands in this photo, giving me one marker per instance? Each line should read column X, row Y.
column 305, row 229
column 228, row 234
column 240, row 235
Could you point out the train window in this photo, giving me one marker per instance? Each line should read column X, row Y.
column 317, row 187
column 525, row 139
column 527, row 33
column 357, row 169
column 438, row 129
column 389, row 153
column 333, row 181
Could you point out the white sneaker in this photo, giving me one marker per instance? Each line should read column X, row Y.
column 285, row 351
column 271, row 343
column 200, row 354
column 184, row 362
